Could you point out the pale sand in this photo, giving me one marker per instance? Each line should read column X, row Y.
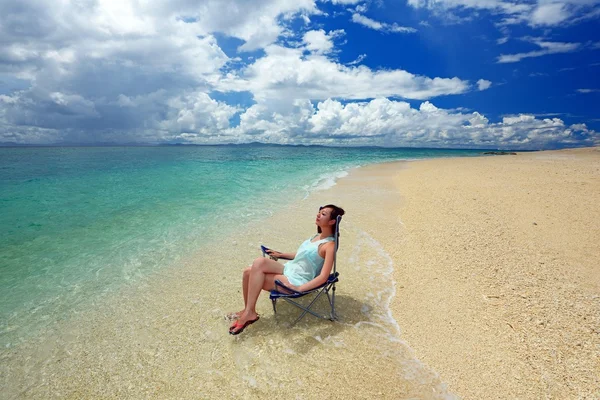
column 496, row 305
column 497, row 264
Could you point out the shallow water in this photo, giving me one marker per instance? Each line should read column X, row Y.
column 159, row 330
column 168, row 336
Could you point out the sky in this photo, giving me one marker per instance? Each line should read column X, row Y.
column 395, row 73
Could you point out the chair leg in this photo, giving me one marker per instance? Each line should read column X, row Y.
column 307, row 309
column 332, row 302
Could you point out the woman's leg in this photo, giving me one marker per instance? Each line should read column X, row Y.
column 270, row 282
column 245, row 284
column 263, row 264
column 253, row 282
column 245, row 277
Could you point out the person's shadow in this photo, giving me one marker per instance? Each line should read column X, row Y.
column 310, row 330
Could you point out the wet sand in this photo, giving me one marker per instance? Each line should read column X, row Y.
column 497, row 262
column 165, row 336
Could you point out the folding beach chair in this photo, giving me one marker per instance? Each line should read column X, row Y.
column 329, row 285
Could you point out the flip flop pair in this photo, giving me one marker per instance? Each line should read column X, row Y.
column 238, row 328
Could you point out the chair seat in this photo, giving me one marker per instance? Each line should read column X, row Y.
column 275, row 294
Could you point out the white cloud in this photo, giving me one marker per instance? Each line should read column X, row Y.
column 285, row 73
column 395, row 123
column 499, row 6
column 199, row 119
column 54, row 110
column 358, row 60
column 133, row 71
column 588, row 90
column 549, row 14
column 123, row 66
column 197, row 113
column 580, row 127
column 361, row 8
column 544, row 13
column 546, row 49
column 483, row 84
column 380, row 26
column 7, row 99
column 257, row 23
column 319, row 42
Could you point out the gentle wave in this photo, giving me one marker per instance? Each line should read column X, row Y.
column 325, row 181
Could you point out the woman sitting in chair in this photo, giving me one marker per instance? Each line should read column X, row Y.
column 309, row 267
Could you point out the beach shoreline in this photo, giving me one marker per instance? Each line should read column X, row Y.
column 447, row 283
column 497, row 271
column 166, row 336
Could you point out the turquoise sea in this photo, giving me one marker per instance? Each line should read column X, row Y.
column 79, row 223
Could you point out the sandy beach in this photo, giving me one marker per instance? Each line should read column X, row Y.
column 474, row 278
column 497, row 264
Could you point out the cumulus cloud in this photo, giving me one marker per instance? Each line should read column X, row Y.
column 483, row 84
column 197, row 112
column 380, row 26
column 107, row 66
column 286, row 73
column 395, row 123
column 549, row 14
column 380, row 121
column 137, row 72
column 131, row 71
column 258, row 24
column 546, row 49
column 320, row 42
column 55, row 110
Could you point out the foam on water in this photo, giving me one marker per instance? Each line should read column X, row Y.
column 325, row 181
column 383, row 266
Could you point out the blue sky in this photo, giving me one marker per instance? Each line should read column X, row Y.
column 420, row 73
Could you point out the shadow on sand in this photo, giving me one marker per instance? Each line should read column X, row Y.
column 310, row 330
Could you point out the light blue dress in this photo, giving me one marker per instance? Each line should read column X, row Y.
column 307, row 264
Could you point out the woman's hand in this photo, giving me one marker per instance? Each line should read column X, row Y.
column 274, row 253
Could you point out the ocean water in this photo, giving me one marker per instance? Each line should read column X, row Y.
column 81, row 226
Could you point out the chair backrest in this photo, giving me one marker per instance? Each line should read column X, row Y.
column 338, row 220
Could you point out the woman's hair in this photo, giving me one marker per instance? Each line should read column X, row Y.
column 335, row 212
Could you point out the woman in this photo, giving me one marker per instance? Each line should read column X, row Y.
column 310, row 267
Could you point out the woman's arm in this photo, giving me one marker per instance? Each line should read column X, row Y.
column 329, row 249
column 288, row 256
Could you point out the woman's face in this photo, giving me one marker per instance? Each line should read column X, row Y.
column 323, row 216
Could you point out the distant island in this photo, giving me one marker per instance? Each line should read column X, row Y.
column 500, row 153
